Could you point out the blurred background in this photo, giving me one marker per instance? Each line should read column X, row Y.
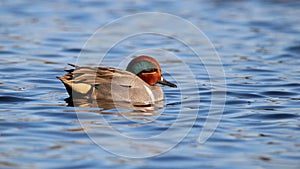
column 257, row 41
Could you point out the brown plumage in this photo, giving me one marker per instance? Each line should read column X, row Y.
column 115, row 85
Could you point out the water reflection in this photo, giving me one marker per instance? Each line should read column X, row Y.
column 110, row 104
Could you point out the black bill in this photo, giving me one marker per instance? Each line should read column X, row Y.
column 167, row 83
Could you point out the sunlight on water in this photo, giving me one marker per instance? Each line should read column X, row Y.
column 259, row 48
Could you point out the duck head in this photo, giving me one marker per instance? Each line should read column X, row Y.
column 148, row 69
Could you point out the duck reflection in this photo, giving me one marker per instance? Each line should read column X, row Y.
column 147, row 109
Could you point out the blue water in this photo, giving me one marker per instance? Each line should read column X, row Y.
column 258, row 43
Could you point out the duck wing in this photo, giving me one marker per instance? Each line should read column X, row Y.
column 82, row 79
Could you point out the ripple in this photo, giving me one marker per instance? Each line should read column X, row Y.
column 294, row 49
column 78, row 50
column 258, row 70
column 279, row 94
column 237, row 101
column 278, row 116
column 3, row 52
column 242, row 94
column 49, row 56
column 286, row 56
column 12, row 99
column 58, row 40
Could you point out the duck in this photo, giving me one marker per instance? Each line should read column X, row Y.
column 136, row 85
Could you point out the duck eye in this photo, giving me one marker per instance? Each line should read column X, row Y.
column 151, row 70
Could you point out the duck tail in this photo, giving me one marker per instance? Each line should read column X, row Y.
column 73, row 65
column 67, row 83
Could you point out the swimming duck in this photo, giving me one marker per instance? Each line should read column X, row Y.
column 136, row 84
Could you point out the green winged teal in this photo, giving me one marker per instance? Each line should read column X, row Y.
column 136, row 84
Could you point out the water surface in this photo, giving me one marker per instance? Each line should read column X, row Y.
column 257, row 42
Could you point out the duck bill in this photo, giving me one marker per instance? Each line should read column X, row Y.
column 167, row 83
